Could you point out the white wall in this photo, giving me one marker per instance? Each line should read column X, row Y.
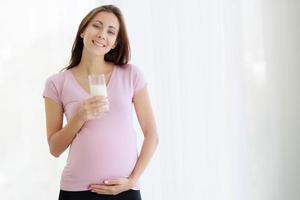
column 223, row 77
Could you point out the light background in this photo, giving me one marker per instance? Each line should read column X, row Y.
column 224, row 82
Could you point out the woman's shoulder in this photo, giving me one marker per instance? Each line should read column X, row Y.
column 133, row 73
column 130, row 68
column 57, row 77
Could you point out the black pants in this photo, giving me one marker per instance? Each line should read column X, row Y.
column 88, row 195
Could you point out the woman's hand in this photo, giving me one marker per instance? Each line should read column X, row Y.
column 112, row 187
column 92, row 107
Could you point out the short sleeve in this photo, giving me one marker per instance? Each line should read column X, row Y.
column 139, row 81
column 52, row 89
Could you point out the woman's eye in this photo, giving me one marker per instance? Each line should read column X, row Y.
column 111, row 32
column 96, row 26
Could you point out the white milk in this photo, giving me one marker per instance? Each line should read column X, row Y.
column 98, row 90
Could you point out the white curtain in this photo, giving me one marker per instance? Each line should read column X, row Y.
column 223, row 78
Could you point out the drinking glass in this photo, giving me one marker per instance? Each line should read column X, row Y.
column 98, row 87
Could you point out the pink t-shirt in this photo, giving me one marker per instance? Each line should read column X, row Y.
column 104, row 148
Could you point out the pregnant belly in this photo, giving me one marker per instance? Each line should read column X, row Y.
column 93, row 160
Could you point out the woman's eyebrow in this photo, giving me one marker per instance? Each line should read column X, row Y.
column 108, row 26
column 98, row 21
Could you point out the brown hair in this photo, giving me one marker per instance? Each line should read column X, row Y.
column 120, row 55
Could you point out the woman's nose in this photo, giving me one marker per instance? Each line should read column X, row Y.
column 100, row 34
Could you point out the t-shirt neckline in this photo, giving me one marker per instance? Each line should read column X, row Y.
column 87, row 92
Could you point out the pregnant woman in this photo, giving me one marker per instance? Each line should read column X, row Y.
column 103, row 160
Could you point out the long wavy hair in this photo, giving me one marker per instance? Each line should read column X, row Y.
column 120, row 55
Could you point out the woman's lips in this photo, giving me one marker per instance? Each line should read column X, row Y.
column 99, row 44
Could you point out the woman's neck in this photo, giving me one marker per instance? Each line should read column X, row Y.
column 90, row 64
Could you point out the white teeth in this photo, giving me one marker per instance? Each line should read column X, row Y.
column 98, row 43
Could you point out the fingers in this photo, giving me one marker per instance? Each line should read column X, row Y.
column 103, row 189
column 99, row 104
column 99, row 187
column 96, row 105
column 91, row 108
column 112, row 182
column 95, row 100
column 111, row 186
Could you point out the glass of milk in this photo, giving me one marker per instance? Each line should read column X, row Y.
column 98, row 86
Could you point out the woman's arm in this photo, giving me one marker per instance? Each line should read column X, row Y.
column 59, row 138
column 146, row 120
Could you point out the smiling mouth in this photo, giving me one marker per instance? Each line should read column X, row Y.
column 98, row 44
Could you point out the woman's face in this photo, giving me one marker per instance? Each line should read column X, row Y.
column 100, row 35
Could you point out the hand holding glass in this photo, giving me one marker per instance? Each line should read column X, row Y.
column 98, row 87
